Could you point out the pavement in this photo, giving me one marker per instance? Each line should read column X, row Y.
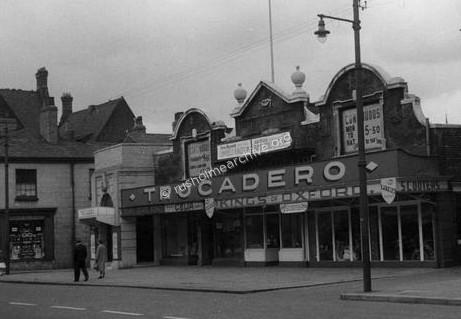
column 212, row 279
column 407, row 285
column 439, row 286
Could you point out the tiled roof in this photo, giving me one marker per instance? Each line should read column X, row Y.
column 88, row 123
column 26, row 105
column 27, row 144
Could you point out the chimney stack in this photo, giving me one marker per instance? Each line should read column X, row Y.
column 138, row 126
column 66, row 100
column 49, row 112
column 42, row 85
column 49, row 122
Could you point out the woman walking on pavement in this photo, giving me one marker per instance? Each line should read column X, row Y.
column 101, row 258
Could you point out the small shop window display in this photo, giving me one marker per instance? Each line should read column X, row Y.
column 26, row 240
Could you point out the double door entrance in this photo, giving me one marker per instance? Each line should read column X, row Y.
column 193, row 238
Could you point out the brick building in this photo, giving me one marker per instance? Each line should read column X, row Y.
column 50, row 169
column 282, row 188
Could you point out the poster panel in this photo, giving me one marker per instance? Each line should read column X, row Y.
column 199, row 157
column 235, row 149
column 373, row 128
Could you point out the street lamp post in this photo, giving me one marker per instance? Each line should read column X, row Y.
column 6, row 249
column 322, row 34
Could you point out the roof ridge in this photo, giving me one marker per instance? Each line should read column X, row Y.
column 20, row 90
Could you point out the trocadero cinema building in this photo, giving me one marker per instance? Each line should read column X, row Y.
column 281, row 187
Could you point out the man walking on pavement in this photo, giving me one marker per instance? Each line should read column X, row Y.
column 80, row 255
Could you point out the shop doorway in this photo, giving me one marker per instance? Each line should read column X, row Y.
column 228, row 243
column 144, row 239
column 102, row 232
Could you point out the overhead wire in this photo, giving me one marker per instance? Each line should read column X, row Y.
column 210, row 66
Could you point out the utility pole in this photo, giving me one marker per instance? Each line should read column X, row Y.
column 6, row 231
column 271, row 43
column 364, row 213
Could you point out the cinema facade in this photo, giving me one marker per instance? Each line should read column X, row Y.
column 282, row 187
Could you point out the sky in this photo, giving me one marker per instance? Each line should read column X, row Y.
column 166, row 56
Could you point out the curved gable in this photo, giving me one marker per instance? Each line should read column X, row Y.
column 192, row 119
column 373, row 78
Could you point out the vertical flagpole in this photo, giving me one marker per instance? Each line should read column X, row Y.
column 271, row 43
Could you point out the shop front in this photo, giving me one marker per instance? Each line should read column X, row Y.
column 399, row 233
column 301, row 214
column 31, row 238
column 191, row 237
column 103, row 226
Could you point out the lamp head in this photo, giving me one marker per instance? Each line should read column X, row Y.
column 322, row 33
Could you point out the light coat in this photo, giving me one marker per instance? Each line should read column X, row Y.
column 101, row 257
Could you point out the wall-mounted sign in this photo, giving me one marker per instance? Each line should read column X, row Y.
column 183, row 207
column 294, row 208
column 295, row 183
column 373, row 128
column 271, row 143
column 93, row 246
column 198, row 157
column 235, row 149
column 115, row 245
column 422, row 186
column 263, row 144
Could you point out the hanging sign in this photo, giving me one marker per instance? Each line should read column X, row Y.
column 388, row 189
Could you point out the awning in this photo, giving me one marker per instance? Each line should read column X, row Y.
column 104, row 215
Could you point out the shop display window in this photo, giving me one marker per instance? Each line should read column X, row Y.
column 356, row 240
column 373, row 221
column 27, row 240
column 428, row 231
column 272, row 231
column 254, row 231
column 394, row 233
column 292, row 230
column 342, row 241
column 410, row 232
column 390, row 233
column 324, row 233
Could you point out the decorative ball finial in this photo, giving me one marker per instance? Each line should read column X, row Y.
column 298, row 78
column 240, row 94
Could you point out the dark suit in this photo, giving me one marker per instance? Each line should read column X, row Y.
column 80, row 261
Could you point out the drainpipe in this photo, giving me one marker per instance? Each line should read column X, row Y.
column 72, row 186
column 428, row 136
